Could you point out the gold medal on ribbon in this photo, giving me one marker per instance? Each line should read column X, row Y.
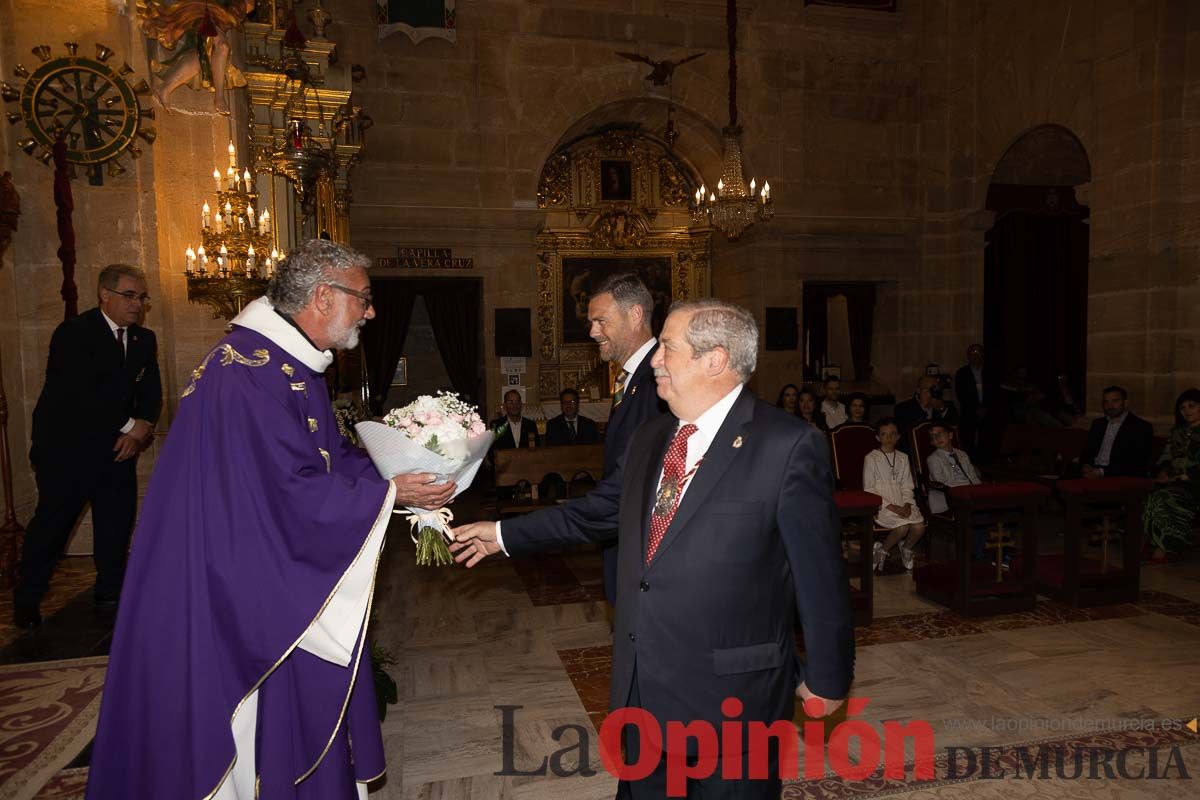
column 666, row 497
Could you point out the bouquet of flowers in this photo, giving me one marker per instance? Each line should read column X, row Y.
column 443, row 435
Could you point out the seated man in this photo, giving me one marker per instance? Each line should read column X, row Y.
column 1120, row 443
column 519, row 431
column 832, row 408
column 570, row 427
column 919, row 407
column 941, row 409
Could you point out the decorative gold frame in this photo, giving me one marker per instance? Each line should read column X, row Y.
column 654, row 223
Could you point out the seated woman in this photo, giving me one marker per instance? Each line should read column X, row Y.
column 886, row 473
column 788, row 397
column 1175, row 501
column 808, row 409
column 857, row 409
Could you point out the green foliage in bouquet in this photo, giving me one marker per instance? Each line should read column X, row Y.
column 431, row 549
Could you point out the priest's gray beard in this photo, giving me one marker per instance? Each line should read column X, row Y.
column 345, row 335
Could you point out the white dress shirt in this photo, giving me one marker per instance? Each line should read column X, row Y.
column 1110, row 435
column 124, row 340
column 707, row 425
column 835, row 413
column 634, row 361
column 515, row 427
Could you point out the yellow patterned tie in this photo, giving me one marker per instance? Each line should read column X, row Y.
column 619, row 388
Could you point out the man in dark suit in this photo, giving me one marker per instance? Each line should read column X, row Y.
column 521, row 431
column 1120, row 443
column 728, row 530
column 97, row 411
column 569, row 427
column 619, row 313
column 918, row 408
column 969, row 391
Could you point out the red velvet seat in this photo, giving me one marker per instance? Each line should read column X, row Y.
column 849, row 445
column 857, row 509
column 1104, row 486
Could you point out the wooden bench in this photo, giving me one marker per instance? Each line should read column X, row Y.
column 533, row 464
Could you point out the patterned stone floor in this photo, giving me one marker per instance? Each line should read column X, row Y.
column 534, row 638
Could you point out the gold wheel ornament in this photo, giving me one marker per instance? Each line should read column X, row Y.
column 92, row 104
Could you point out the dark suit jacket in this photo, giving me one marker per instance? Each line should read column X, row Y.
column 92, row 389
column 909, row 414
column 558, row 433
column 528, row 431
column 1131, row 450
column 966, row 394
column 756, row 540
column 641, row 402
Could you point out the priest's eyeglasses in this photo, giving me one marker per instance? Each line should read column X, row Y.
column 363, row 297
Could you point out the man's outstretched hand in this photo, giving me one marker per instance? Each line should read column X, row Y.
column 420, row 490
column 474, row 542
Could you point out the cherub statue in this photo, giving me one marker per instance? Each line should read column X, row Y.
column 196, row 34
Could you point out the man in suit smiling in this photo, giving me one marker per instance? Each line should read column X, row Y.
column 727, row 530
column 97, row 411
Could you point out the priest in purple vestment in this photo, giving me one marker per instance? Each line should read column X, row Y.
column 239, row 663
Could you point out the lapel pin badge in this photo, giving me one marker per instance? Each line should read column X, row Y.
column 737, row 442
column 633, row 390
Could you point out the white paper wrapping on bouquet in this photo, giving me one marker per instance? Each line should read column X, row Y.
column 393, row 453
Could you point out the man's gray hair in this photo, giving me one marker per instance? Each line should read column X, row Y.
column 314, row 262
column 714, row 324
column 110, row 276
column 628, row 290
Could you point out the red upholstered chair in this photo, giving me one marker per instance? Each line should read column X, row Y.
column 857, row 509
column 1084, row 575
column 850, row 445
column 971, row 588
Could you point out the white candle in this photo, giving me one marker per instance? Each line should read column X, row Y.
column 232, row 156
column 231, row 177
column 190, row 255
column 203, row 259
column 217, row 178
column 250, row 259
column 220, row 223
column 205, row 215
column 250, row 217
column 766, row 192
column 752, row 187
column 228, row 211
column 264, row 222
column 246, row 178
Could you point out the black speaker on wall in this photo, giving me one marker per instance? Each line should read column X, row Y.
column 513, row 332
column 783, row 329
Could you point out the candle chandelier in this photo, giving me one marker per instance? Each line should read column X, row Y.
column 733, row 207
column 236, row 257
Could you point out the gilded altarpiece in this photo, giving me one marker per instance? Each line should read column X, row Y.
column 616, row 201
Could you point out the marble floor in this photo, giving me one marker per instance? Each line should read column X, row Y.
column 534, row 636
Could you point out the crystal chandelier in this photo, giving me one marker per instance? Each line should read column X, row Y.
column 236, row 258
column 733, row 208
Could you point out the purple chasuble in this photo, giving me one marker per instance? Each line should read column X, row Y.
column 248, row 585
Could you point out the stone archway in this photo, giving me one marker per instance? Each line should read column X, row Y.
column 1036, row 269
column 617, row 198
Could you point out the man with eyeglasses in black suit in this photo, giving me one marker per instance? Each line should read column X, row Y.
column 96, row 413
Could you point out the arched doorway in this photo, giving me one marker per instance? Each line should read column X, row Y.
column 1035, row 271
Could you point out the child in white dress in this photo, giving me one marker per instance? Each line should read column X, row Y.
column 886, row 473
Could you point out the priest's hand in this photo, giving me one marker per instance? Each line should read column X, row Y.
column 828, row 706
column 474, row 542
column 419, row 490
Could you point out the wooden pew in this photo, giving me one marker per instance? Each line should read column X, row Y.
column 533, row 464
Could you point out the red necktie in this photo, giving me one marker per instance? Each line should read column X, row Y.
column 669, row 489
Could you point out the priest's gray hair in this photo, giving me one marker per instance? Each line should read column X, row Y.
column 715, row 323
column 314, row 262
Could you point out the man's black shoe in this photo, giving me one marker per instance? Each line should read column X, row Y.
column 27, row 617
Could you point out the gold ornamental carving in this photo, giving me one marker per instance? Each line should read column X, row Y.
column 554, row 187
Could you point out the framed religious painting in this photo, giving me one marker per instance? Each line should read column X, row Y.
column 616, row 180
column 582, row 274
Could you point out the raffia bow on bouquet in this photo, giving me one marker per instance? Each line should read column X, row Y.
column 442, row 435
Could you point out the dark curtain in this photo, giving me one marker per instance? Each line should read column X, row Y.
column 1035, row 300
column 383, row 338
column 860, row 311
column 453, row 308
